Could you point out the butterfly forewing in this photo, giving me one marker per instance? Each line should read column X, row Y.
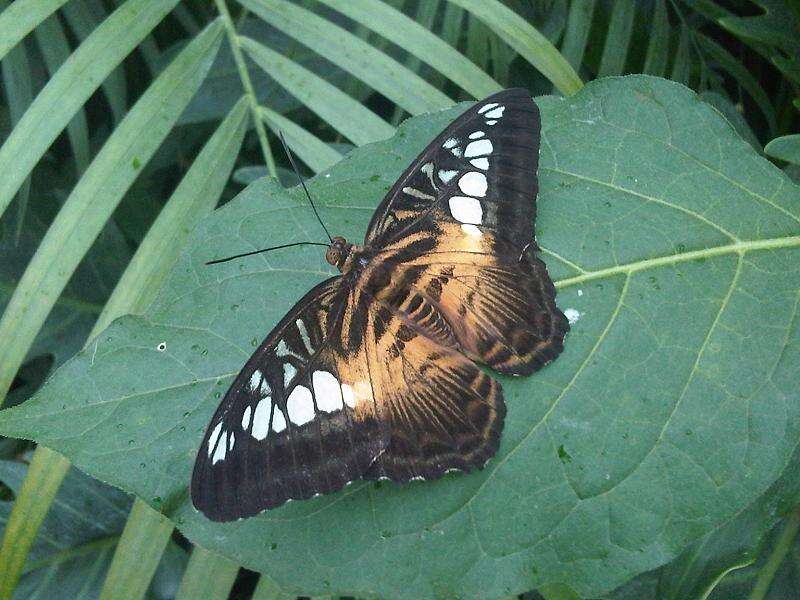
column 479, row 173
column 373, row 373
column 285, row 429
column 458, row 227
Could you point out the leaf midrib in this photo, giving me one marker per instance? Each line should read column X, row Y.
column 738, row 248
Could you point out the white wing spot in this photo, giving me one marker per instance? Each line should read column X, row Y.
column 327, row 391
column 481, row 163
column 473, row 183
column 231, row 440
column 278, row 421
column 496, row 113
column 219, row 453
column 348, row 395
column 446, row 176
column 450, row 143
column 283, row 350
column 301, row 327
column 466, row 210
column 248, row 412
column 492, row 122
column 580, row 293
column 288, row 373
column 261, row 419
column 417, row 194
column 471, row 230
column 476, row 135
column 427, row 168
column 255, row 380
column 486, row 107
column 573, row 315
column 479, row 148
column 213, row 439
column 300, row 406
column 265, row 389
column 456, row 152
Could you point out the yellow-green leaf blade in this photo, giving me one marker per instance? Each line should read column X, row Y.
column 313, row 151
column 376, row 69
column 208, row 576
column 52, row 41
column 45, row 474
column 527, row 41
column 345, row 114
column 75, row 81
column 96, row 195
column 19, row 19
column 137, row 554
column 420, row 42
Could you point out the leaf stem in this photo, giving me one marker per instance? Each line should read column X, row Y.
column 740, row 248
column 247, row 84
column 779, row 552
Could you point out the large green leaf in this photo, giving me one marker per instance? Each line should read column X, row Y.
column 673, row 408
column 717, row 558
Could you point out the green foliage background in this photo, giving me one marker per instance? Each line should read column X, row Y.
column 663, row 223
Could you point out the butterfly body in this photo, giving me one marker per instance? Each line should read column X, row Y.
column 374, row 373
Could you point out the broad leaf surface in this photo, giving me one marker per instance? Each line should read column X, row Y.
column 725, row 559
column 673, row 408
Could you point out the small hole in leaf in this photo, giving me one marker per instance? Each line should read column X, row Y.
column 161, row 346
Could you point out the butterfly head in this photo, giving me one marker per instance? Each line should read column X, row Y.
column 338, row 252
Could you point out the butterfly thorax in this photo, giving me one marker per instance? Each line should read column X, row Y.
column 345, row 256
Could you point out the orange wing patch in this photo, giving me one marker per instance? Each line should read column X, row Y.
column 498, row 300
column 441, row 411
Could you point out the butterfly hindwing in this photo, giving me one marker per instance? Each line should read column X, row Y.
column 311, row 411
column 499, row 301
column 440, row 410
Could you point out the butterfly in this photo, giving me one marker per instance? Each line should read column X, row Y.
column 374, row 373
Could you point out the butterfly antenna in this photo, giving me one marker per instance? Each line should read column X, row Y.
column 303, row 183
column 222, row 260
